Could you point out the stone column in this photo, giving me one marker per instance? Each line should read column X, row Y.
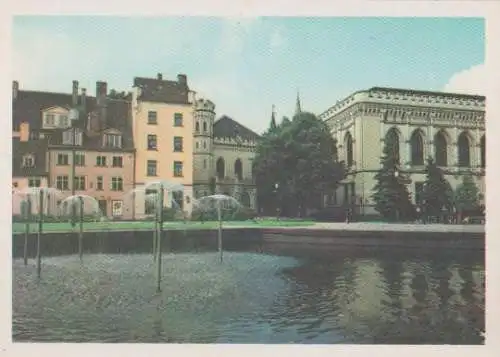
column 430, row 138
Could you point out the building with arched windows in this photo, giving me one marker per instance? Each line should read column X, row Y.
column 448, row 127
column 222, row 156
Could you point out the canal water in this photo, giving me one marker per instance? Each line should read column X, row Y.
column 312, row 296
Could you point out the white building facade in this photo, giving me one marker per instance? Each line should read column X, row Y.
column 448, row 127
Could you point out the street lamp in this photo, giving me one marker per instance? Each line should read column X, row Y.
column 73, row 117
column 276, row 188
column 396, row 176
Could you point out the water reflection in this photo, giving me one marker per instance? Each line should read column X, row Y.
column 254, row 298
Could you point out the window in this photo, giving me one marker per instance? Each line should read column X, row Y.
column 197, row 127
column 205, row 127
column 34, row 135
column 50, row 119
column 149, row 203
column 152, row 142
column 63, row 121
column 62, row 183
column 151, row 169
column 419, row 190
column 117, row 161
column 28, row 161
column 197, row 145
column 34, row 182
column 205, row 163
column 178, row 197
column 152, row 117
column 79, row 183
column 79, row 159
column 70, row 135
column 116, row 184
column 204, row 145
column 116, row 208
column 113, row 140
column 101, row 161
column 177, row 143
column 62, row 159
column 178, row 119
column 177, row 168
column 99, row 183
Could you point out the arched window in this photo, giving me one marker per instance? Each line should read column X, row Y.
column 197, row 127
column 348, row 149
column 204, row 126
column 220, row 168
column 417, row 148
column 238, row 169
column 245, row 199
column 463, row 150
column 441, row 149
column 483, row 151
column 392, row 139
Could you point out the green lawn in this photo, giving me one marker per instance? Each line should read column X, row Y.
column 138, row 226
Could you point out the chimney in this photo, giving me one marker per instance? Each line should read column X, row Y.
column 159, row 76
column 101, row 96
column 182, row 79
column 75, row 93
column 83, row 100
column 15, row 89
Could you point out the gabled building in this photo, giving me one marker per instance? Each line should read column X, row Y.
column 162, row 122
column 91, row 155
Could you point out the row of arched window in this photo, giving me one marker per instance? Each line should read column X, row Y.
column 441, row 140
column 220, row 168
column 197, row 127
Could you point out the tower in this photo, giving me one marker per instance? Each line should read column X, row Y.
column 204, row 117
column 298, row 109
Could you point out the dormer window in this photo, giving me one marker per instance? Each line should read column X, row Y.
column 50, row 119
column 63, row 121
column 70, row 136
column 112, row 140
column 28, row 160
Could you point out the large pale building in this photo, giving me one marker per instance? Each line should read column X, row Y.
column 448, row 127
column 162, row 122
column 223, row 155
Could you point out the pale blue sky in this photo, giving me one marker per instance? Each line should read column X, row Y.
column 246, row 65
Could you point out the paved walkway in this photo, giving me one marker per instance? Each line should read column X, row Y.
column 394, row 227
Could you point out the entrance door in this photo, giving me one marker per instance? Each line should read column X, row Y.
column 103, row 205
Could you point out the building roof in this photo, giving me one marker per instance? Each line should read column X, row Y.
column 425, row 92
column 225, row 127
column 162, row 91
column 28, row 106
column 38, row 148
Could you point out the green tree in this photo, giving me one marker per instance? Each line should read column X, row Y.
column 437, row 190
column 467, row 196
column 114, row 94
column 390, row 193
column 299, row 156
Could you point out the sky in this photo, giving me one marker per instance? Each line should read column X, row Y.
column 246, row 65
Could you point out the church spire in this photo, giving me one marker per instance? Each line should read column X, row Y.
column 298, row 110
column 273, row 119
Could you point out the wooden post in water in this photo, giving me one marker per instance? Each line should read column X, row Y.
column 27, row 229
column 39, row 235
column 219, row 235
column 159, row 236
column 80, row 233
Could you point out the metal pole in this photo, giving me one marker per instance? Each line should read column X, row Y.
column 219, row 235
column 40, row 231
column 159, row 236
column 80, row 235
column 73, row 177
column 27, row 230
column 155, row 231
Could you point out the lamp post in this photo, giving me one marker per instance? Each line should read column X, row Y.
column 73, row 117
column 396, row 176
column 276, row 188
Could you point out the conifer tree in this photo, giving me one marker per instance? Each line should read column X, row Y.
column 467, row 196
column 437, row 190
column 391, row 196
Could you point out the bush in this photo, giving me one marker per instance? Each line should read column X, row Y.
column 242, row 214
column 330, row 214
